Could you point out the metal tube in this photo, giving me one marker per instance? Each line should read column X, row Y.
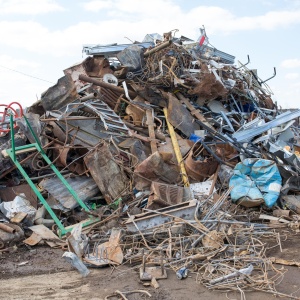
column 157, row 48
column 7, row 228
column 106, row 85
column 12, row 136
column 89, row 96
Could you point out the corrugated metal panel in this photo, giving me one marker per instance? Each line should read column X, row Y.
column 84, row 186
column 110, row 50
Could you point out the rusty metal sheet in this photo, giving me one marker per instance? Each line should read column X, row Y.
column 180, row 117
column 209, row 87
column 46, row 234
column 167, row 147
column 164, row 195
column 97, row 66
column 33, row 240
column 74, row 71
column 199, row 170
column 136, row 113
column 109, row 177
column 156, row 168
column 136, row 148
column 59, row 95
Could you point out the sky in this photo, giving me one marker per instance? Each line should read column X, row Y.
column 41, row 38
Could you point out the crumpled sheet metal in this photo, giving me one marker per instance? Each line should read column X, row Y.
column 199, row 170
column 248, row 134
column 108, row 175
column 136, row 114
column 209, row 87
column 136, row 148
column 85, row 187
column 156, row 168
column 60, row 94
column 167, row 147
column 180, row 117
column 97, row 66
column 132, row 57
column 164, row 195
column 256, row 179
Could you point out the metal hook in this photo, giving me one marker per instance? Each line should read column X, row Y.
column 243, row 65
column 270, row 77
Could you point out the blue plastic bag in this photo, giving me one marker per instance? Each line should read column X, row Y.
column 256, row 178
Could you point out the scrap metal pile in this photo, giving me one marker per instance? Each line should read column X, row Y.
column 160, row 155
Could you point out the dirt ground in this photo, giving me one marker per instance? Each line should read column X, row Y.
column 41, row 273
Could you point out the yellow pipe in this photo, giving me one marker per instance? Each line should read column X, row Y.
column 184, row 175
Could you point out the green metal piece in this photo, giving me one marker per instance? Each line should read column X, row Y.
column 84, row 223
column 12, row 136
column 37, row 192
column 40, row 148
column 12, row 154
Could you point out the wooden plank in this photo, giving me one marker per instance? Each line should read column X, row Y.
column 5, row 154
column 151, row 124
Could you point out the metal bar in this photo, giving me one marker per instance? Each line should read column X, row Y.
column 270, row 77
column 248, row 134
column 12, row 136
column 10, row 152
column 106, row 85
column 39, row 148
column 157, row 48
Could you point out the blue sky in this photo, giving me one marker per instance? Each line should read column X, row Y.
column 43, row 37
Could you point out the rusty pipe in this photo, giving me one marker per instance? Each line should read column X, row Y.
column 158, row 135
column 88, row 97
column 106, row 85
column 157, row 48
column 7, row 228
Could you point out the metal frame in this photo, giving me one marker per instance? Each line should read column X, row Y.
column 12, row 154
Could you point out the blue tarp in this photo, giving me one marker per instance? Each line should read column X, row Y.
column 254, row 179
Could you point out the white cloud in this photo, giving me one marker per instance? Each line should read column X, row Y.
column 96, row 6
column 29, row 7
column 27, row 92
column 215, row 18
column 116, row 19
column 292, row 76
column 13, row 63
column 135, row 20
column 291, row 63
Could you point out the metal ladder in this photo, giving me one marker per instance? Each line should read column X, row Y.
column 37, row 146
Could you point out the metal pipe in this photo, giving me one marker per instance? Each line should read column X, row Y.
column 7, row 228
column 157, row 48
column 106, row 85
column 69, row 119
column 88, row 97
column 159, row 136
column 40, row 218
